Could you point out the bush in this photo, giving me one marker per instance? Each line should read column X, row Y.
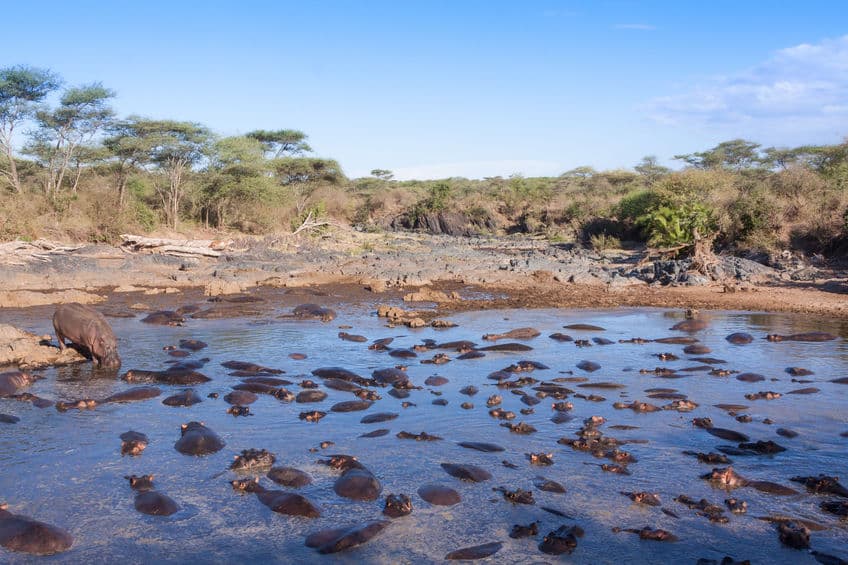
column 602, row 242
column 672, row 225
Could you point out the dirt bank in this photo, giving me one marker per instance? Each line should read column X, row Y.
column 485, row 272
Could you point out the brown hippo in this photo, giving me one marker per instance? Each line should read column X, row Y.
column 149, row 501
column 333, row 541
column 87, row 327
column 25, row 535
column 13, row 381
column 397, row 505
column 314, row 312
column 197, row 439
column 809, row 336
column 133, row 443
column 520, row 333
column 279, row 501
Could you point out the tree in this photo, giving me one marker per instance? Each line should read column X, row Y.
column 735, row 155
column 128, row 148
column 650, row 169
column 382, row 174
column 173, row 148
column 21, row 89
column 82, row 112
column 236, row 173
column 282, row 142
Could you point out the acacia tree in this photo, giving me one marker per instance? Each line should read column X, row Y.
column 237, row 173
column 173, row 148
column 281, row 142
column 82, row 112
column 128, row 148
column 21, row 89
column 736, row 155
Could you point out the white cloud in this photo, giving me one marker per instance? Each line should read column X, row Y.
column 639, row 27
column 802, row 89
column 476, row 169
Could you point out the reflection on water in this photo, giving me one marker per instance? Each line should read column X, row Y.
column 66, row 468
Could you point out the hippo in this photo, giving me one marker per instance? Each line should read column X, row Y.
column 9, row 419
column 240, row 397
column 134, row 394
column 423, row 436
column 289, row 477
column 520, row 531
column 584, row 327
column 12, row 381
column 809, row 336
column 133, row 443
column 356, row 482
column 87, row 327
column 562, row 540
column 588, row 366
column 736, row 506
column 648, row 533
column 310, row 395
column 164, row 318
column 335, row 540
column 171, row 376
column 561, row 337
column 312, row 416
column 397, row 505
column 696, row 349
column 794, row 534
column 548, row 485
column 25, row 535
column 352, row 337
column 822, row 484
column 481, row 446
column 185, row 398
column 465, row 472
column 439, row 495
column 475, row 552
column 351, row 406
column 149, row 501
column 313, row 312
column 252, row 459
column 740, row 338
column 279, row 501
column 248, row 367
column 378, row 417
column 519, row 333
column 648, row 498
column 197, row 439
column 502, row 347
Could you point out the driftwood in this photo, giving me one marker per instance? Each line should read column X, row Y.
column 21, row 252
column 179, row 247
column 701, row 251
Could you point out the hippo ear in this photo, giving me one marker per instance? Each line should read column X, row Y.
column 256, row 480
column 149, row 477
column 4, row 505
column 184, row 427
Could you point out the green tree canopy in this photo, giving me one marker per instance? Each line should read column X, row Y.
column 736, row 155
column 282, row 142
column 21, row 89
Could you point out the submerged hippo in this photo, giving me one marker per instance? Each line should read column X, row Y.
column 149, row 501
column 313, row 312
column 133, row 443
column 809, row 336
column 335, row 540
column 12, row 381
column 397, row 505
column 87, row 327
column 25, row 535
column 197, row 439
column 519, row 333
column 475, row 552
column 279, row 501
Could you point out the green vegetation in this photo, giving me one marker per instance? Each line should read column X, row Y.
column 74, row 170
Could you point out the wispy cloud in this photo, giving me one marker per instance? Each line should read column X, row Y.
column 639, row 27
column 802, row 89
column 478, row 169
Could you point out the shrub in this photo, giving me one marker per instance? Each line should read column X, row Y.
column 602, row 242
column 672, row 225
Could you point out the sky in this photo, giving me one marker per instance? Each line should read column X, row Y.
column 433, row 89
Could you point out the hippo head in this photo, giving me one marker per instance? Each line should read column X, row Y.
column 144, row 482
column 246, row 485
column 774, row 337
column 106, row 352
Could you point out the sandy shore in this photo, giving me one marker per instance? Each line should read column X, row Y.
column 484, row 273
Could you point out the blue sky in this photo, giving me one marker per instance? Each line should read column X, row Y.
column 468, row 88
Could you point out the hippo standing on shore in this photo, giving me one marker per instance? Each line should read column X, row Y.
column 87, row 327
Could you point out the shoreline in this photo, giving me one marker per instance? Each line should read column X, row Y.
column 486, row 273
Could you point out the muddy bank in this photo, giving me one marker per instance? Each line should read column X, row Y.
column 485, row 272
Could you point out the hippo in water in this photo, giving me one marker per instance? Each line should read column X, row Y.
column 23, row 534
column 13, row 381
column 87, row 327
column 197, row 439
column 314, row 312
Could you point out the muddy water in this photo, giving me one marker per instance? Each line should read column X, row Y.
column 66, row 468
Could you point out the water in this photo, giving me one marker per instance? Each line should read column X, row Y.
column 66, row 468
